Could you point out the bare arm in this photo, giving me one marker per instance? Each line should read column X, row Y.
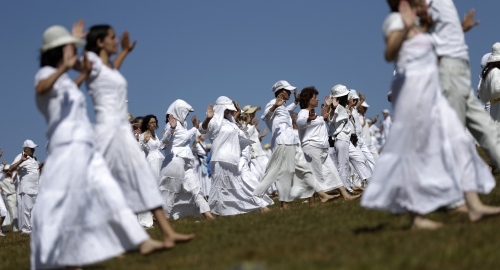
column 210, row 114
column 396, row 38
column 127, row 47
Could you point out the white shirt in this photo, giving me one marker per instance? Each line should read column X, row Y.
column 387, row 123
column 152, row 147
column 447, row 30
column 7, row 185
column 178, row 141
column 357, row 123
column 254, row 136
column 28, row 175
column 340, row 126
column 314, row 133
column 365, row 131
column 280, row 124
column 489, row 89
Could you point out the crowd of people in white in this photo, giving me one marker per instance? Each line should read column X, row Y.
column 101, row 187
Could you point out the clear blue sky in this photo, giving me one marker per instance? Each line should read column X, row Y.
column 199, row 50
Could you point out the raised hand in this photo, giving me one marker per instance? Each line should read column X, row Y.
column 237, row 106
column 147, row 134
column 279, row 101
column 255, row 121
column 125, row 40
column 69, row 56
column 407, row 13
column 3, row 161
column 361, row 97
column 258, row 129
column 297, row 96
column 328, row 100
column 335, row 102
column 264, row 133
column 351, row 103
column 325, row 111
column 195, row 122
column 468, row 21
column 210, row 111
column 24, row 157
column 312, row 115
column 77, row 30
column 172, row 121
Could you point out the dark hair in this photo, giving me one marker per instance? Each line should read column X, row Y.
column 52, row 57
column 96, row 32
column 145, row 122
column 490, row 66
column 343, row 100
column 306, row 95
column 394, row 5
column 137, row 119
column 280, row 91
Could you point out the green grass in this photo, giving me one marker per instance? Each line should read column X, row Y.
column 337, row 235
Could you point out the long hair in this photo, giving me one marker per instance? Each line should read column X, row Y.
column 489, row 67
column 52, row 57
column 343, row 100
column 96, row 32
column 145, row 122
column 306, row 95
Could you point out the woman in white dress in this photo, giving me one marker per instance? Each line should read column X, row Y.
column 89, row 218
column 151, row 145
column 313, row 136
column 108, row 90
column 441, row 163
column 229, row 195
column 489, row 87
column 179, row 186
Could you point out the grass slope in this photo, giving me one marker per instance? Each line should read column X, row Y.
column 337, row 235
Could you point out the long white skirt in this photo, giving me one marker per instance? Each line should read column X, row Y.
column 204, row 179
column 128, row 166
column 322, row 167
column 181, row 190
column 81, row 216
column 230, row 195
column 428, row 161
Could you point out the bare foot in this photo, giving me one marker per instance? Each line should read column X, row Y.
column 421, row 223
column 170, row 240
column 328, row 197
column 208, row 215
column 351, row 197
column 477, row 214
column 149, row 246
column 462, row 209
column 358, row 188
column 121, row 256
column 264, row 209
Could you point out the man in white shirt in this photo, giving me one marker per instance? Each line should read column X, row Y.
column 454, row 74
column 28, row 171
column 385, row 126
column 285, row 162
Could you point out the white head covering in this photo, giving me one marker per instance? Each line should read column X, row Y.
column 221, row 104
column 339, row 90
column 495, row 55
column 386, row 111
column 179, row 109
column 353, row 94
column 484, row 60
column 364, row 104
column 56, row 36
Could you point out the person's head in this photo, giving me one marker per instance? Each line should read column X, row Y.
column 283, row 89
column 102, row 38
column 363, row 108
column 6, row 170
column 138, row 120
column 55, row 38
column 130, row 118
column 340, row 92
column 354, row 95
column 394, row 4
column 493, row 61
column 29, row 147
column 309, row 98
column 150, row 122
column 250, row 111
column 227, row 103
column 385, row 113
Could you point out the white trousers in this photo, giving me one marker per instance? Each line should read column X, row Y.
column 27, row 202
column 10, row 203
column 344, row 153
column 367, row 153
column 322, row 167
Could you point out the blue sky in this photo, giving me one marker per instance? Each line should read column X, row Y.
column 199, row 50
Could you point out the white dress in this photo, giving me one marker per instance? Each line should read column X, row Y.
column 229, row 194
column 81, row 216
column 440, row 163
column 114, row 138
column 155, row 158
column 200, row 168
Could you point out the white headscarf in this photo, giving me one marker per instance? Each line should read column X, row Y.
column 221, row 104
column 179, row 109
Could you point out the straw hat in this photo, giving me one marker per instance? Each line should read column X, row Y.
column 56, row 36
column 250, row 109
column 267, row 146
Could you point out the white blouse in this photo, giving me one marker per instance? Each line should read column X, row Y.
column 152, row 148
column 254, row 136
column 340, row 126
column 178, row 141
column 314, row 133
column 280, row 123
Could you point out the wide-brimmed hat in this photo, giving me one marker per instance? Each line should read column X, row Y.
column 250, row 109
column 56, row 36
column 386, row 111
column 226, row 102
column 339, row 90
column 364, row 104
column 495, row 53
column 353, row 94
column 267, row 146
column 29, row 144
column 282, row 85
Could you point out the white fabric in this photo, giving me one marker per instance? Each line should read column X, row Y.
column 322, row 167
column 339, row 124
column 152, row 148
column 28, row 175
column 365, row 131
column 202, row 175
column 3, row 209
column 27, row 202
column 114, row 138
column 447, row 30
column 392, row 23
column 440, row 163
column 89, row 218
column 279, row 123
column 386, row 124
column 313, row 133
column 359, row 162
column 490, row 89
column 7, row 186
column 254, row 136
column 11, row 204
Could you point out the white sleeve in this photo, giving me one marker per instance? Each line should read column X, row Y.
column 96, row 64
column 393, row 22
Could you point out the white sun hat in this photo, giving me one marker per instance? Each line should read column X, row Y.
column 495, row 53
column 353, row 94
column 56, row 36
column 6, row 167
column 228, row 103
column 364, row 104
column 386, row 111
column 282, row 85
column 29, row 144
column 484, row 60
column 339, row 90
column 368, row 120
